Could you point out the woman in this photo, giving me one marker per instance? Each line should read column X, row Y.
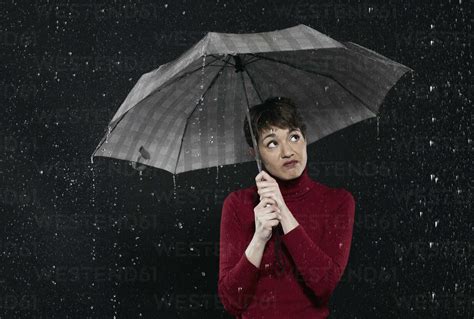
column 285, row 242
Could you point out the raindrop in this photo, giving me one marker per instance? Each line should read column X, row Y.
column 436, row 223
column 109, row 130
column 174, row 187
column 378, row 122
column 93, row 186
column 203, row 274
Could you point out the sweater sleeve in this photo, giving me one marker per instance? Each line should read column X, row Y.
column 238, row 277
column 321, row 266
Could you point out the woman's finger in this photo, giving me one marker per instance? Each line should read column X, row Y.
column 266, row 200
column 269, row 216
column 265, row 183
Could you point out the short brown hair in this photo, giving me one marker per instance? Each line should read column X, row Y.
column 277, row 111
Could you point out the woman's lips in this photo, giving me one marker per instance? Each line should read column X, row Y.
column 290, row 164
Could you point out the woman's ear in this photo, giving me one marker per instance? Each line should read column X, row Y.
column 251, row 151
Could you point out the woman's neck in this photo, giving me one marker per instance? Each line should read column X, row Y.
column 294, row 187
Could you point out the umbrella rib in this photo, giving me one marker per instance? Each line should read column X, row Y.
column 251, row 61
column 321, row 74
column 253, row 83
column 223, row 60
column 195, row 107
column 181, row 76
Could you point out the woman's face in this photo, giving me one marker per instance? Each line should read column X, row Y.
column 278, row 146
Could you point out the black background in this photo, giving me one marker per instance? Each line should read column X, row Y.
column 83, row 240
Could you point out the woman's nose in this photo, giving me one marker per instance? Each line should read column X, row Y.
column 286, row 151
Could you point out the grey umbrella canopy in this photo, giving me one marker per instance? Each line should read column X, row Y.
column 188, row 114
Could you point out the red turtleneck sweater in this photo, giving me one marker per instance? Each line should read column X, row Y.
column 314, row 254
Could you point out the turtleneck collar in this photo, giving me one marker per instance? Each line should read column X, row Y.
column 294, row 188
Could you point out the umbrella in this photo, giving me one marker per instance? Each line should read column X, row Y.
column 188, row 114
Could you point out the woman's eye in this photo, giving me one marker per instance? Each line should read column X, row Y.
column 294, row 135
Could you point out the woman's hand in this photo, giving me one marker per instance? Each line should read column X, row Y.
column 266, row 217
column 268, row 188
